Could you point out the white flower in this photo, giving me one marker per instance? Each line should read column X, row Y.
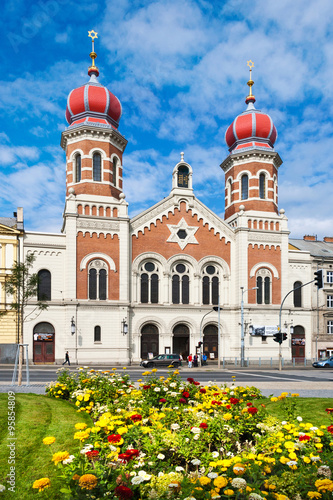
column 2, row 487
column 160, row 456
column 196, row 437
column 291, row 463
column 157, row 389
column 179, row 469
column 175, row 427
column 68, row 460
column 195, row 461
column 284, row 422
column 173, row 394
column 255, row 496
column 315, row 459
column 215, row 454
column 173, row 485
column 196, row 430
column 239, row 483
column 137, row 480
column 212, row 475
column 299, row 419
column 313, row 429
column 173, row 384
column 144, row 475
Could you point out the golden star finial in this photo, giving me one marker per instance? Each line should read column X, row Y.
column 93, row 34
column 250, row 97
column 250, row 64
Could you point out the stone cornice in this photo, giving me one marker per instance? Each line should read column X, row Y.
column 92, row 133
column 253, row 155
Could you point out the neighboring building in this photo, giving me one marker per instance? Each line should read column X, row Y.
column 320, row 253
column 120, row 289
column 11, row 250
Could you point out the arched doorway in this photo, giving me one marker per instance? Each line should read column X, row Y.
column 43, row 350
column 181, row 340
column 298, row 344
column 210, row 341
column 149, row 341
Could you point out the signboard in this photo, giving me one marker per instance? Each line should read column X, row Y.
column 264, row 331
column 46, row 337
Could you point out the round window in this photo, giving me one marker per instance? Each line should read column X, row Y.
column 149, row 266
column 180, row 268
column 210, row 269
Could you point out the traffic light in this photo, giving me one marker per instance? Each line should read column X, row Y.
column 277, row 337
column 199, row 344
column 319, row 278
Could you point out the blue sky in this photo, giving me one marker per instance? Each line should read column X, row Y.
column 179, row 70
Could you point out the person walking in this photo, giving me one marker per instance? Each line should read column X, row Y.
column 67, row 359
column 189, row 360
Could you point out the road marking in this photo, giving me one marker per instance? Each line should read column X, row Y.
column 274, row 377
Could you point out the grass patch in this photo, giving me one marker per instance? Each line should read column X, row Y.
column 36, row 417
column 310, row 409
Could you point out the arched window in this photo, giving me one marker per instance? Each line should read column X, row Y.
column 97, row 334
column 77, row 168
column 182, row 176
column 44, row 285
column 210, row 285
column 264, row 285
column 114, row 171
column 149, row 283
column 229, row 192
column 180, row 284
column 262, row 186
column 97, row 280
column 297, row 294
column 245, row 187
column 97, row 167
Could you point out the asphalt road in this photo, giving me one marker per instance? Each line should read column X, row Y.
column 307, row 382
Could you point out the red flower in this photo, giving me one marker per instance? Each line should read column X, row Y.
column 162, row 400
column 191, row 380
column 182, row 400
column 132, row 452
column 304, row 438
column 124, row 457
column 114, row 438
column 92, row 454
column 123, row 492
column 253, row 410
column 228, row 407
column 329, row 410
column 146, row 387
column 203, row 425
column 196, row 383
column 203, row 391
column 330, row 429
column 234, row 401
column 186, row 394
column 136, row 418
column 248, row 404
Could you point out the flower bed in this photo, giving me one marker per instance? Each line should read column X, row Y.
column 166, row 438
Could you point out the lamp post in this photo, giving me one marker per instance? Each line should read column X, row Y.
column 242, row 321
column 73, row 332
column 124, row 326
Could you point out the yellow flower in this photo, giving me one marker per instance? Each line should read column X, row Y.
column 88, row 482
column 220, row 482
column 314, row 494
column 42, row 483
column 81, row 435
column 49, row 440
column 60, row 456
column 324, row 485
column 239, row 469
column 274, row 399
column 227, row 416
column 80, row 426
column 122, row 430
column 228, row 492
column 204, row 480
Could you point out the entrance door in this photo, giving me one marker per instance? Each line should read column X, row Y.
column 298, row 344
column 181, row 341
column 210, row 341
column 43, row 350
column 149, row 341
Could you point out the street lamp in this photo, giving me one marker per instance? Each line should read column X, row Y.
column 72, row 326
column 242, row 321
column 124, row 326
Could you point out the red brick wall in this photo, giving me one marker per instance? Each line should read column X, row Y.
column 272, row 255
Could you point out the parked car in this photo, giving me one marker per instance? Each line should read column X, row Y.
column 173, row 360
column 324, row 363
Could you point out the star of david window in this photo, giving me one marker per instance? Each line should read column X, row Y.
column 182, row 234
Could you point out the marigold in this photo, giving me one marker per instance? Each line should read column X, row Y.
column 81, row 435
column 42, row 483
column 324, row 485
column 88, row 482
column 49, row 440
column 204, row 480
column 80, row 426
column 60, row 456
column 220, row 482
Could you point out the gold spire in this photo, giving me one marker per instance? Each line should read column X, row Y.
column 93, row 69
column 250, row 97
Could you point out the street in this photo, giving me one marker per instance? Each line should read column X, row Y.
column 307, row 382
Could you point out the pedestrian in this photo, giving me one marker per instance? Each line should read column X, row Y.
column 189, row 360
column 67, row 359
column 204, row 359
column 195, row 361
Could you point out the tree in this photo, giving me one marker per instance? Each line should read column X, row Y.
column 22, row 285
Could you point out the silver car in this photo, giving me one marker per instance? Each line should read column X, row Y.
column 173, row 360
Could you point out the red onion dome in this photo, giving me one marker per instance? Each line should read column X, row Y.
column 93, row 104
column 251, row 129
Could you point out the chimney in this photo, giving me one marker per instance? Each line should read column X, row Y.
column 328, row 239
column 20, row 214
column 309, row 238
